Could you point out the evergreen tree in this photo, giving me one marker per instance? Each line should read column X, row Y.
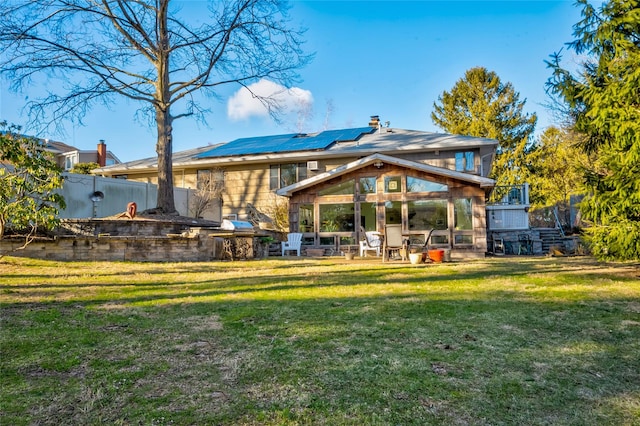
column 481, row 105
column 603, row 98
column 29, row 179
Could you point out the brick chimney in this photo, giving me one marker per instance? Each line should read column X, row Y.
column 375, row 121
column 102, row 153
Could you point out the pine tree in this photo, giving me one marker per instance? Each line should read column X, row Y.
column 480, row 105
column 604, row 99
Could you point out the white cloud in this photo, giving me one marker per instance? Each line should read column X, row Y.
column 243, row 104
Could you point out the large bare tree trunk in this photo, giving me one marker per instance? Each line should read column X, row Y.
column 164, row 120
column 164, row 148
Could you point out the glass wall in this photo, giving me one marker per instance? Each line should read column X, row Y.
column 427, row 214
column 338, row 217
column 420, row 205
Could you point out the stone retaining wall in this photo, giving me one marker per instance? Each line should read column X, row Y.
column 136, row 249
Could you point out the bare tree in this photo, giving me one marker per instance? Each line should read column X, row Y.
column 147, row 51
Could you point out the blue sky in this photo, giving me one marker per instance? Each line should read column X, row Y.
column 386, row 58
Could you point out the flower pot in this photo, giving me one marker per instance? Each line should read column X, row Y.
column 436, row 255
column 349, row 255
column 415, row 258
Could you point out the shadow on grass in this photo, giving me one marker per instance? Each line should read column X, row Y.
column 383, row 358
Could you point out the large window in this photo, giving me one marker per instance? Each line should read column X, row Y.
column 465, row 161
column 337, row 217
column 344, row 188
column 415, row 184
column 281, row 175
column 427, row 214
column 305, row 215
column 393, row 212
column 463, row 214
column 368, row 216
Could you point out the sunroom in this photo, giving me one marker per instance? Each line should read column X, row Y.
column 334, row 208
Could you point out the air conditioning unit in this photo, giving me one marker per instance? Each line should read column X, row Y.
column 312, row 165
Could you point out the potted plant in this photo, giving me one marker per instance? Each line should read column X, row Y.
column 265, row 242
column 350, row 253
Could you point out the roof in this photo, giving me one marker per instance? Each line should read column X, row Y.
column 58, row 147
column 288, row 191
column 152, row 162
column 357, row 142
column 285, row 143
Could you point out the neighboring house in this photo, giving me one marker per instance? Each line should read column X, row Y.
column 68, row 156
column 338, row 181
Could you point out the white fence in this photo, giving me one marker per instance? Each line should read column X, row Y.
column 116, row 194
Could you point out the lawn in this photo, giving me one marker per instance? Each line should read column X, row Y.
column 511, row 341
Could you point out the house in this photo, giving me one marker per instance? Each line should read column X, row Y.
column 341, row 181
column 68, row 156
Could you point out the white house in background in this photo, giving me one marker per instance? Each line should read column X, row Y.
column 68, row 156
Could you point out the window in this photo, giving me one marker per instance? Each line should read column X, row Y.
column 415, row 184
column 392, row 184
column 465, row 161
column 344, row 188
column 463, row 217
column 393, row 212
column 368, row 185
column 427, row 214
column 306, row 218
column 203, row 179
column 337, row 217
column 368, row 216
column 69, row 163
column 463, row 239
column 463, row 214
column 210, row 180
column 281, row 175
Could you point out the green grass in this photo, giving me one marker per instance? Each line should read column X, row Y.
column 509, row 341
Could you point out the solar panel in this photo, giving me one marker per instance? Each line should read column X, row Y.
column 284, row 143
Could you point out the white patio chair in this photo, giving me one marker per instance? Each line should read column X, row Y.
column 371, row 241
column 294, row 241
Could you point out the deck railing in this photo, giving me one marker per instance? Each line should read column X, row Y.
column 510, row 195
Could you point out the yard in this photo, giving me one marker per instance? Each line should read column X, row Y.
column 320, row 341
